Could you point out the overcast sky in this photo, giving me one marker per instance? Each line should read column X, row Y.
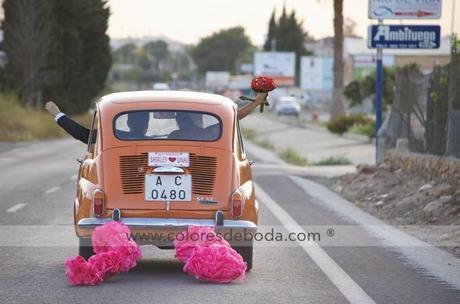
column 189, row 20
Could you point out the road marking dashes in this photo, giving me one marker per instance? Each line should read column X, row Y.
column 16, row 207
column 54, row 189
column 344, row 283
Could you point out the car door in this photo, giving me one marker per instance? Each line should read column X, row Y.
column 88, row 158
column 243, row 163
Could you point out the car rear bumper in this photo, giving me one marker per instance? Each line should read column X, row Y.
column 162, row 223
column 162, row 231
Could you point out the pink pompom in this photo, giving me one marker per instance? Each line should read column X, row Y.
column 204, row 236
column 217, row 264
column 115, row 252
column 115, row 236
column 80, row 272
column 130, row 253
column 108, row 263
column 110, row 236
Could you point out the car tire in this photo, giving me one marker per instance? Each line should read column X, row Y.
column 85, row 249
column 246, row 254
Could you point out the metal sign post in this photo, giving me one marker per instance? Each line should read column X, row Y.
column 382, row 36
column 378, row 100
column 399, row 37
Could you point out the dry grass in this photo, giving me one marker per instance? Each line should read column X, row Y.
column 20, row 123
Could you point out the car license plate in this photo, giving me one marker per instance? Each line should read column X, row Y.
column 165, row 159
column 171, row 187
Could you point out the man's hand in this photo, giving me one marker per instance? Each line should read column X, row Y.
column 245, row 110
column 260, row 98
column 52, row 108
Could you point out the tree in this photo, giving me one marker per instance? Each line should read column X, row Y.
column 338, row 107
column 270, row 42
column 221, row 51
column 360, row 89
column 57, row 50
column 157, row 51
column 83, row 56
column 27, row 44
column 287, row 34
column 125, row 54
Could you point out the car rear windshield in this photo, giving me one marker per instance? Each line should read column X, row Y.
column 167, row 125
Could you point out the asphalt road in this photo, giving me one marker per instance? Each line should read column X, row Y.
column 37, row 187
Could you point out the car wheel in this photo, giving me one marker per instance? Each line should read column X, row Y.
column 85, row 248
column 246, row 254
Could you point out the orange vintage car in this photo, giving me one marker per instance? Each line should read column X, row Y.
column 160, row 161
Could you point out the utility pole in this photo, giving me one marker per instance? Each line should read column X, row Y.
column 378, row 101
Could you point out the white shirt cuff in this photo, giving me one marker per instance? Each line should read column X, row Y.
column 58, row 115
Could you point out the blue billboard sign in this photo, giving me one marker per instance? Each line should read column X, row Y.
column 404, row 36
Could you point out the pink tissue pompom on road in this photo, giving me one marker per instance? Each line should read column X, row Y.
column 130, row 253
column 109, row 237
column 115, row 236
column 217, row 264
column 186, row 242
column 81, row 272
column 108, row 263
column 115, row 252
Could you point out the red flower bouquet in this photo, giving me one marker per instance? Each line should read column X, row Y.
column 263, row 84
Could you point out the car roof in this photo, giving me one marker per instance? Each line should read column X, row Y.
column 287, row 98
column 132, row 97
column 109, row 106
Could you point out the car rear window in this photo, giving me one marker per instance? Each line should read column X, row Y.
column 167, row 125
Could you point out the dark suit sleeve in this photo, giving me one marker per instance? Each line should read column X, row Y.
column 76, row 130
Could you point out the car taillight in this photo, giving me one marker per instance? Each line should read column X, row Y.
column 98, row 202
column 237, row 204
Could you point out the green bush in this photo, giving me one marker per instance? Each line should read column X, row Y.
column 265, row 143
column 333, row 161
column 291, row 156
column 339, row 125
column 358, row 118
column 367, row 129
column 342, row 124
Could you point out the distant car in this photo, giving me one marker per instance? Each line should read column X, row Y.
column 160, row 86
column 164, row 160
column 304, row 100
column 288, row 105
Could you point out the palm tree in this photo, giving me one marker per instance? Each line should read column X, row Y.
column 337, row 107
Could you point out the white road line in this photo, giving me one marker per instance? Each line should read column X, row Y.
column 54, row 189
column 16, row 207
column 73, row 177
column 349, row 288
